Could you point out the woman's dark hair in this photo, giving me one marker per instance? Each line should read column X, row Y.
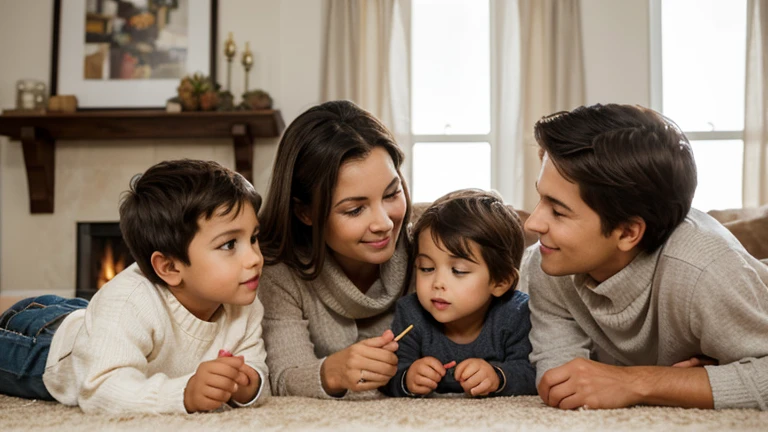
column 479, row 216
column 628, row 161
column 306, row 168
column 161, row 210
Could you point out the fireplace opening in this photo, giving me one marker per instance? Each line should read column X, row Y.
column 101, row 254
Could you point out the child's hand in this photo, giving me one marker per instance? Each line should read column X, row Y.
column 477, row 377
column 247, row 391
column 423, row 375
column 243, row 378
column 213, row 384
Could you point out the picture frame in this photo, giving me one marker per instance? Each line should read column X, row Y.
column 122, row 54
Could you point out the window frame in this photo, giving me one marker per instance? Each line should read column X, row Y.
column 657, row 81
column 489, row 137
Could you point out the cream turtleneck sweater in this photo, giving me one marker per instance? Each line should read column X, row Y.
column 701, row 293
column 305, row 321
column 134, row 348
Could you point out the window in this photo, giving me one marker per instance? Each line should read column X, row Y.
column 451, row 97
column 698, row 55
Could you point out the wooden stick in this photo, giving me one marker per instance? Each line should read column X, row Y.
column 403, row 333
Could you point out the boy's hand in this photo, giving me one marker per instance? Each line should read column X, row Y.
column 213, row 384
column 424, row 374
column 477, row 377
column 247, row 391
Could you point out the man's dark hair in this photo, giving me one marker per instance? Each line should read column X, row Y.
column 475, row 215
column 628, row 161
column 160, row 211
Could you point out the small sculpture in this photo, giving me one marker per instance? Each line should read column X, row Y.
column 256, row 100
column 198, row 92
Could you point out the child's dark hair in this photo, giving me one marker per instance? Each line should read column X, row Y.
column 160, row 211
column 307, row 165
column 628, row 161
column 475, row 215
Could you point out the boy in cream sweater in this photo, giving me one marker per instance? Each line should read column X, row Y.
column 179, row 331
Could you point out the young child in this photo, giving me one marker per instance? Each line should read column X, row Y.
column 179, row 331
column 470, row 326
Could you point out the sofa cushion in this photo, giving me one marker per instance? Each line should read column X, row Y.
column 749, row 226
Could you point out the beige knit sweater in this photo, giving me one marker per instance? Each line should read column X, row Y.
column 305, row 321
column 135, row 347
column 701, row 293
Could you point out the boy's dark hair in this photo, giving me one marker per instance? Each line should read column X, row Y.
column 628, row 161
column 309, row 156
column 479, row 216
column 160, row 211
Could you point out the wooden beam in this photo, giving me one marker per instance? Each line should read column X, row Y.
column 243, row 141
column 39, row 158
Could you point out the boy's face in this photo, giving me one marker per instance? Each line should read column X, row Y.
column 367, row 210
column 225, row 264
column 570, row 235
column 457, row 292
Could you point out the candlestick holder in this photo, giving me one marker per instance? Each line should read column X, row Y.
column 247, row 61
column 230, row 50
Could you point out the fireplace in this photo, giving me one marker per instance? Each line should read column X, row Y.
column 101, row 254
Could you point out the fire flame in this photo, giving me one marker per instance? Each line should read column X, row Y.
column 109, row 268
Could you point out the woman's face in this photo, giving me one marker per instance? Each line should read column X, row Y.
column 367, row 211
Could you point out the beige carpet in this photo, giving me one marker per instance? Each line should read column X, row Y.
column 441, row 414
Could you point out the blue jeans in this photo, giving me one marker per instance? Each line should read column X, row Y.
column 26, row 331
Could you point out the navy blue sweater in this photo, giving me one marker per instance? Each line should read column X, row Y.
column 503, row 342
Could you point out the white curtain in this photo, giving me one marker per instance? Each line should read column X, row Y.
column 540, row 70
column 366, row 57
column 755, row 192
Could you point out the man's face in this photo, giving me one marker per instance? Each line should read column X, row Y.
column 570, row 236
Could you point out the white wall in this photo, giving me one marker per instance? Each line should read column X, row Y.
column 37, row 251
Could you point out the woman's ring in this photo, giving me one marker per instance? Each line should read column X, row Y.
column 361, row 380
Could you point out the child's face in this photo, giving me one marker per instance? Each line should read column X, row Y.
column 225, row 264
column 570, row 235
column 367, row 211
column 457, row 292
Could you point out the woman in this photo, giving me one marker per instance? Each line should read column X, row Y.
column 333, row 235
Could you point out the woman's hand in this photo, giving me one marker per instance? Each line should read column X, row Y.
column 366, row 365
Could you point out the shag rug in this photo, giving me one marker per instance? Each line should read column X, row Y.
column 525, row 413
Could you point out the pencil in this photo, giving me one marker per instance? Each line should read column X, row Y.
column 403, row 333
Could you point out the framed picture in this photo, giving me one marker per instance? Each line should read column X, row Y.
column 118, row 54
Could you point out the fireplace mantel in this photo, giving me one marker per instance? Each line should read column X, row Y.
column 38, row 133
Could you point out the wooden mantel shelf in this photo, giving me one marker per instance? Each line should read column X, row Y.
column 38, row 133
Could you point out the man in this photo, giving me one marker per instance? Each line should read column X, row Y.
column 635, row 297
